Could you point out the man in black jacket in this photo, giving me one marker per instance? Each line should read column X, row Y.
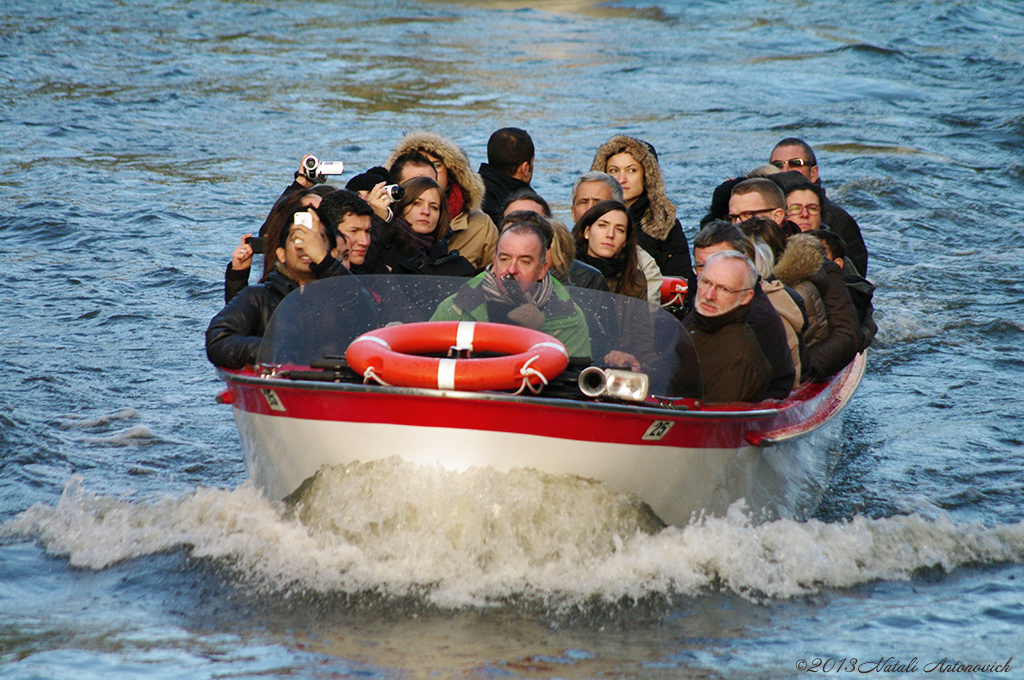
column 303, row 255
column 795, row 154
column 732, row 365
column 509, row 167
column 763, row 319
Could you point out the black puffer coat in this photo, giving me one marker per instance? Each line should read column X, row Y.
column 234, row 335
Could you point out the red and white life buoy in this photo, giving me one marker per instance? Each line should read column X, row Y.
column 390, row 356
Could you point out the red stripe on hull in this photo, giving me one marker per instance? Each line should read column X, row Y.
column 578, row 421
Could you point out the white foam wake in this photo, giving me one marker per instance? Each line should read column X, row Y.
column 482, row 536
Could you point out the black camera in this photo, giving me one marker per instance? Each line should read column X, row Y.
column 257, row 243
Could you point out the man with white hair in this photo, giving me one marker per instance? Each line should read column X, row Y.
column 732, row 365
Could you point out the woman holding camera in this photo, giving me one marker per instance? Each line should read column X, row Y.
column 474, row 235
column 300, row 250
column 606, row 240
column 416, row 239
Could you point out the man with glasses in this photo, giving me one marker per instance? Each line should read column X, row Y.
column 732, row 366
column 762, row 318
column 759, row 197
column 796, row 155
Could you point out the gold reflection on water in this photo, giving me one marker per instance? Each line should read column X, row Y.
column 588, row 8
column 481, row 644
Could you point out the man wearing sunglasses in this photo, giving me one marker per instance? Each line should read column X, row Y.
column 796, row 155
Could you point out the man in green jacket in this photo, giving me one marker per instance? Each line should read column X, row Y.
column 517, row 289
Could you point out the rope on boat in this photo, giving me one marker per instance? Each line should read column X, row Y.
column 526, row 371
column 369, row 374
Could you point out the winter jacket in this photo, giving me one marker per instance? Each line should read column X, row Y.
column 792, row 320
column 562, row 318
column 234, row 335
column 582, row 275
column 861, row 291
column 474, row 233
column 659, row 233
column 499, row 187
column 832, row 354
column 770, row 331
column 798, row 262
column 732, row 366
column 652, row 274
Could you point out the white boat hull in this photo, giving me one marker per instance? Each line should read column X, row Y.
column 777, row 459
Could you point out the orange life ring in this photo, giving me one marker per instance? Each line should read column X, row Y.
column 389, row 356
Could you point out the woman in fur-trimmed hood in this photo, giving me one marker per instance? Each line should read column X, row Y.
column 634, row 163
column 473, row 233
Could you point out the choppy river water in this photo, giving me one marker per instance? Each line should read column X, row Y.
column 140, row 139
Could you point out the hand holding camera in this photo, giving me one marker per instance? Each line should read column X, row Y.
column 307, row 238
column 382, row 196
column 241, row 258
column 317, row 171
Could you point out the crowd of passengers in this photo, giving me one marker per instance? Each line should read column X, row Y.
column 776, row 289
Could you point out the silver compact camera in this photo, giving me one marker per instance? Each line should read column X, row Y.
column 394, row 191
column 315, row 169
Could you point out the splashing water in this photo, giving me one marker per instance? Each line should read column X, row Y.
column 481, row 536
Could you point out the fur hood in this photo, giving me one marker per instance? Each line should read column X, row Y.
column 661, row 214
column 803, row 257
column 454, row 158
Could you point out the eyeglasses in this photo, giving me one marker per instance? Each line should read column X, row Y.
column 719, row 288
column 437, row 165
column 797, row 208
column 792, row 162
column 747, row 214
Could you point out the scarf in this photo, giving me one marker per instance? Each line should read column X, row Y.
column 456, row 201
column 608, row 268
column 513, row 295
column 422, row 241
column 641, row 206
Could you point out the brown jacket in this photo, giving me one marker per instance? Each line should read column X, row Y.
column 843, row 342
column 474, row 234
column 732, row 365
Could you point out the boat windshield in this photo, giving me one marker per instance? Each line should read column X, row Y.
column 318, row 321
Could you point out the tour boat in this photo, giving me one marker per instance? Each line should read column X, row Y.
column 645, row 432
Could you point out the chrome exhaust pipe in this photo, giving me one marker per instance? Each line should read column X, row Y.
column 614, row 383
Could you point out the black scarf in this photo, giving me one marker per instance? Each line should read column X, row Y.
column 639, row 209
column 608, row 267
column 710, row 324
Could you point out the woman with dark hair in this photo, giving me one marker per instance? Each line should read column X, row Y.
column 299, row 251
column 237, row 275
column 416, row 239
column 474, row 234
column 606, row 239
